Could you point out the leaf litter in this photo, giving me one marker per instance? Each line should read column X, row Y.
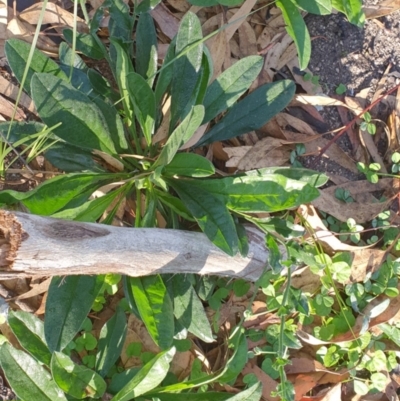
column 271, row 146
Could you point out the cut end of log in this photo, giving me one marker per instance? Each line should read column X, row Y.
column 11, row 236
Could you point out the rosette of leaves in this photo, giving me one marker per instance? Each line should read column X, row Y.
column 116, row 134
column 109, row 135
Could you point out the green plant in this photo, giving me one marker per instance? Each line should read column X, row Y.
column 310, row 77
column 115, row 136
column 343, row 195
column 341, row 89
column 396, row 162
column 368, row 124
column 370, row 171
column 294, row 155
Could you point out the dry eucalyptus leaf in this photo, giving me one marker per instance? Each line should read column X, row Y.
column 280, row 42
column 360, row 212
column 11, row 91
column 24, row 31
column 111, row 161
column 7, row 110
column 385, row 7
column 268, row 152
column 239, row 17
column 235, row 154
column 285, row 119
column 247, row 40
column 54, row 15
column 166, row 21
column 179, row 5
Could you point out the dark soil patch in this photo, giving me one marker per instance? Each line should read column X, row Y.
column 345, row 54
column 355, row 57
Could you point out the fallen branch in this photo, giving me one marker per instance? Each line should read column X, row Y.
column 33, row 245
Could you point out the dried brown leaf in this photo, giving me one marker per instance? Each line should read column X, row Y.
column 247, row 40
column 239, row 17
column 268, row 152
column 235, row 154
column 11, row 91
column 24, row 31
column 280, row 43
column 385, row 7
column 7, row 109
column 54, row 15
column 179, row 5
column 37, row 289
column 167, row 22
column 360, row 212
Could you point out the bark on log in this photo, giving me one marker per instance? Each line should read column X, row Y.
column 33, row 245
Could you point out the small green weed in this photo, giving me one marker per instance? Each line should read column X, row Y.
column 368, row 124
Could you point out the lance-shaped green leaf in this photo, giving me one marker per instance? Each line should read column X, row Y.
column 254, row 194
column 189, row 310
column 254, row 393
column 230, row 85
column 144, row 102
column 17, row 52
column 68, row 58
column 209, row 210
column 182, row 133
column 146, row 48
column 252, row 112
column 122, row 67
column 68, row 302
column 101, row 87
column 86, row 44
column 165, row 74
column 352, row 9
column 20, row 130
column 72, row 159
column 205, row 74
column 79, row 79
column 186, row 67
column 155, row 308
column 42, row 200
column 174, row 204
column 111, row 341
column 82, row 122
column 114, row 123
column 297, row 30
column 238, row 359
column 121, row 21
column 230, row 371
column 146, row 5
column 319, row 7
column 149, row 377
column 76, row 380
column 30, row 334
column 27, row 377
column 92, row 210
column 312, row 177
column 208, row 396
column 189, row 165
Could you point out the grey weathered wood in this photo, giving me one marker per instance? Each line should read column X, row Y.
column 33, row 245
